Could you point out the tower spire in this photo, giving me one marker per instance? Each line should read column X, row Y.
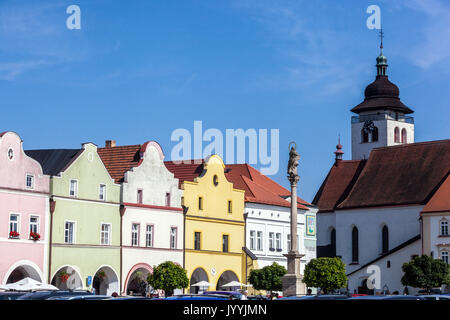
column 381, row 59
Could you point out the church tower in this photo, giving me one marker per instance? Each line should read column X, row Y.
column 382, row 118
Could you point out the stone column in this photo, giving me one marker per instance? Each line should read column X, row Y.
column 292, row 281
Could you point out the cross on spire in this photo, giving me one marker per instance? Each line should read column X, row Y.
column 381, row 38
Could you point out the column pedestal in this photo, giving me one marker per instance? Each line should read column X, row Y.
column 293, row 284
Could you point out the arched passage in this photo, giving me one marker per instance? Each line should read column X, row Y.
column 136, row 281
column 67, row 278
column 198, row 275
column 22, row 271
column 105, row 281
column 225, row 278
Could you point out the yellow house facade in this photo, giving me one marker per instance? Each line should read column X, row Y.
column 214, row 226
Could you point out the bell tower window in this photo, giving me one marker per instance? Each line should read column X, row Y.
column 396, row 134
column 404, row 136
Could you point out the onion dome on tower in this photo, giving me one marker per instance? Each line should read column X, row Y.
column 382, row 94
column 339, row 153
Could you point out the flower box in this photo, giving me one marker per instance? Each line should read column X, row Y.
column 35, row 236
column 14, row 235
column 64, row 276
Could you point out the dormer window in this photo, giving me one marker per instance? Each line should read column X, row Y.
column 167, row 199
column 10, row 154
column 140, row 195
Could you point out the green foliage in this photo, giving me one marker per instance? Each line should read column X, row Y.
column 268, row 278
column 168, row 276
column 425, row 272
column 325, row 273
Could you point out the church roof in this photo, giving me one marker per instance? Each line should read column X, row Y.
column 397, row 175
column 441, row 199
column 382, row 95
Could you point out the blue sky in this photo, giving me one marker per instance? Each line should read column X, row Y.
column 138, row 70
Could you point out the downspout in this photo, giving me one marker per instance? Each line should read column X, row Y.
column 245, row 246
column 52, row 209
column 122, row 210
column 185, row 210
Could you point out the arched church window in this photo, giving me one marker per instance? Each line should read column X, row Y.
column 355, row 245
column 385, row 240
column 364, row 136
column 404, row 135
column 396, row 134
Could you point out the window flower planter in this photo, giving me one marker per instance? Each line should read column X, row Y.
column 14, row 235
column 35, row 236
column 64, row 276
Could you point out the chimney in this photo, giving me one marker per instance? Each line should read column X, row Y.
column 110, row 143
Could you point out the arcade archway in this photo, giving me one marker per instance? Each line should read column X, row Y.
column 23, row 271
column 137, row 280
column 225, row 278
column 67, row 278
column 198, row 275
column 105, row 281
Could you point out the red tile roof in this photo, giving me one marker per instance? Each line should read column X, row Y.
column 441, row 199
column 338, row 184
column 119, row 160
column 260, row 188
column 397, row 175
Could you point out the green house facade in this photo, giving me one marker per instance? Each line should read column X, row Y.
column 84, row 251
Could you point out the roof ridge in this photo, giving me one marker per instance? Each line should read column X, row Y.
column 405, row 145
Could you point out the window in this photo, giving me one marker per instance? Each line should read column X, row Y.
column 73, row 188
column 102, row 193
column 29, row 181
column 278, row 241
column 139, row 195
column 34, row 224
column 173, row 238
column 167, row 199
column 197, row 239
column 106, row 234
column 252, row 239
column 355, row 246
column 375, row 134
column 200, row 203
column 271, row 241
column 149, row 236
column 364, row 136
column 404, row 137
column 259, row 240
column 14, row 223
column 10, row 154
column 444, row 228
column 230, row 206
column 225, row 243
column 135, row 234
column 444, row 256
column 69, row 232
column 385, row 240
column 288, row 246
column 396, row 134
column 388, row 264
column 333, row 241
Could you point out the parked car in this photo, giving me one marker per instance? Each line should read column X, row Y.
column 82, row 297
column 400, row 297
column 44, row 295
column 257, row 297
column 234, row 295
column 436, row 297
column 367, row 297
column 318, row 297
column 11, row 295
column 133, row 298
column 199, row 297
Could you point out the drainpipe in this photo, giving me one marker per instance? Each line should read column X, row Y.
column 122, row 212
column 50, row 241
column 185, row 210
column 245, row 245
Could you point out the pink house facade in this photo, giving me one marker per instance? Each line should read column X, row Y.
column 24, row 207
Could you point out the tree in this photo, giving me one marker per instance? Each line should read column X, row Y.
column 425, row 272
column 268, row 278
column 325, row 273
column 168, row 276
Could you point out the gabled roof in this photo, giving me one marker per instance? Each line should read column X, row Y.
column 260, row 188
column 398, row 175
column 120, row 159
column 185, row 171
column 54, row 161
column 440, row 200
column 338, row 184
